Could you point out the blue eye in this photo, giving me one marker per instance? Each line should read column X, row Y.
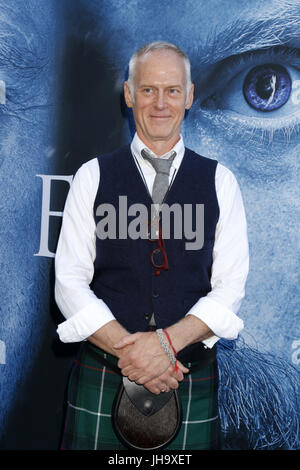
column 267, row 87
column 257, row 90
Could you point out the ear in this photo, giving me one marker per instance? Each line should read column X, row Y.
column 190, row 97
column 127, row 95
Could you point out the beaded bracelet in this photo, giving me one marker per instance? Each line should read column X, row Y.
column 163, row 339
column 174, row 352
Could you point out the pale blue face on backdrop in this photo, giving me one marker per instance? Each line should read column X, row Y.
column 246, row 114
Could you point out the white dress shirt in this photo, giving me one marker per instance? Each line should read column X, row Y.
column 76, row 251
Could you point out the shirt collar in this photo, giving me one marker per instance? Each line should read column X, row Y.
column 137, row 145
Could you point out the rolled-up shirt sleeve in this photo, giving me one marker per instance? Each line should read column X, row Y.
column 219, row 308
column 85, row 313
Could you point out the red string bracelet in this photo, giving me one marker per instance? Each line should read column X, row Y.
column 172, row 347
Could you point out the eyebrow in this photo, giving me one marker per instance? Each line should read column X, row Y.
column 277, row 27
column 145, row 85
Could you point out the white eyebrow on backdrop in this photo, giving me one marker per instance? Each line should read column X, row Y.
column 275, row 27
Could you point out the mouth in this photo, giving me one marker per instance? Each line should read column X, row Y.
column 159, row 117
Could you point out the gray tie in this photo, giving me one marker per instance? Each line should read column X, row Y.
column 162, row 167
column 160, row 186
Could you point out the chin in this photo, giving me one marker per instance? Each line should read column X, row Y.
column 161, row 135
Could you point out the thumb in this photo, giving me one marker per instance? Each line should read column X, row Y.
column 125, row 341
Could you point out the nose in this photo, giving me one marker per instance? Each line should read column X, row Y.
column 160, row 101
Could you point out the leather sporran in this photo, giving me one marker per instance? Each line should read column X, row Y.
column 143, row 420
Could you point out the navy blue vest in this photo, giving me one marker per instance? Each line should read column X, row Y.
column 124, row 276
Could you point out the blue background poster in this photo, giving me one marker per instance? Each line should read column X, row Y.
column 62, row 65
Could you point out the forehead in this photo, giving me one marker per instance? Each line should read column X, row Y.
column 161, row 66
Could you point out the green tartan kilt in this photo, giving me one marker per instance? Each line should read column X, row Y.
column 91, row 391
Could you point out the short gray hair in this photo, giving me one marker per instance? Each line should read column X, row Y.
column 158, row 46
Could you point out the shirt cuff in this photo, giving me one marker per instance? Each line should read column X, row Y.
column 210, row 342
column 84, row 323
column 223, row 322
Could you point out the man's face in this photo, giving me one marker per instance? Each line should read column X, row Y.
column 160, row 97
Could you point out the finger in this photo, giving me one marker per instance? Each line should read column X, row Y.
column 124, row 363
column 172, row 383
column 165, row 382
column 181, row 367
column 132, row 373
column 177, row 375
column 143, row 379
column 153, row 388
column 127, row 371
column 137, row 378
column 154, row 385
column 162, row 386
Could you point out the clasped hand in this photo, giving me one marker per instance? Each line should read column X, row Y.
column 146, row 363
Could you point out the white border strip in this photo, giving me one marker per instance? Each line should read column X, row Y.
column 99, row 407
column 187, row 412
column 201, row 420
column 88, row 411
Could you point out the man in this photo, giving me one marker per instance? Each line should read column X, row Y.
column 194, row 298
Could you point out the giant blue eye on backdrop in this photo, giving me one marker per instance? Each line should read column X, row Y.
column 258, row 88
column 267, row 87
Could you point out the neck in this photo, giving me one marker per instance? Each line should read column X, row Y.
column 160, row 147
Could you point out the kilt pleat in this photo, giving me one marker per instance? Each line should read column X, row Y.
column 91, row 391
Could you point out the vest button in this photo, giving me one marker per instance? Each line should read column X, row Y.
column 155, row 295
column 147, row 317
